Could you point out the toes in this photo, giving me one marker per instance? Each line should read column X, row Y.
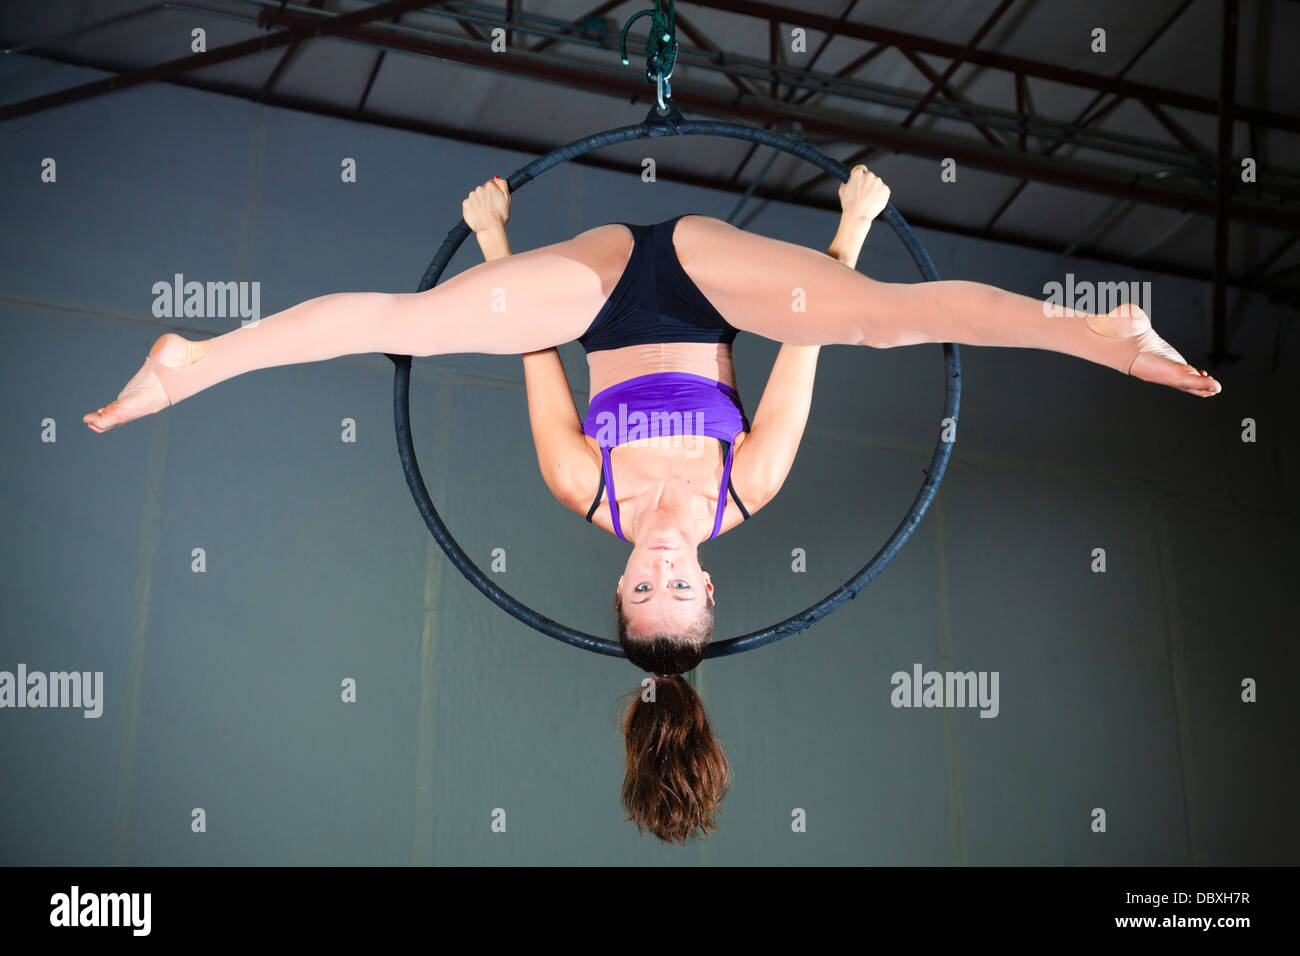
column 108, row 416
column 1199, row 382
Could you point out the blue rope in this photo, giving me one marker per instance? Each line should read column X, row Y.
column 673, row 124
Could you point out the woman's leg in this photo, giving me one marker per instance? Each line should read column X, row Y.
column 532, row 300
column 796, row 295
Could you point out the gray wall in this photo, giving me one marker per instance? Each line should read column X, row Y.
column 1118, row 690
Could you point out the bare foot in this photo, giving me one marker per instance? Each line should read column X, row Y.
column 144, row 393
column 1158, row 361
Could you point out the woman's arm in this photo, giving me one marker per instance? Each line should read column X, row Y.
column 568, row 467
column 565, row 460
column 764, row 458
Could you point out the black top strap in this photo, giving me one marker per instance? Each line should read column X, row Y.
column 600, row 490
column 736, row 498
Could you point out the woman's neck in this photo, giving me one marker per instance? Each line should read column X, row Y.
column 671, row 508
column 708, row 359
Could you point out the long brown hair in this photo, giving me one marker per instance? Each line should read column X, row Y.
column 677, row 773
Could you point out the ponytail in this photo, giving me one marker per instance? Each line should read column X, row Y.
column 677, row 772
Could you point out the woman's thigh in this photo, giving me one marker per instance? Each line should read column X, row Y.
column 524, row 302
column 783, row 291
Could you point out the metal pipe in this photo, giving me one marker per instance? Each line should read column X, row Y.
column 1073, row 133
column 845, row 126
column 1096, row 225
column 1222, row 221
column 498, row 140
column 794, row 77
column 999, row 61
column 800, row 79
column 850, row 127
column 762, row 173
column 1164, row 237
column 1100, row 222
column 861, row 90
column 122, row 18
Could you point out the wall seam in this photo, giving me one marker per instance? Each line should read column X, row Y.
column 956, row 810
column 424, row 841
column 141, row 620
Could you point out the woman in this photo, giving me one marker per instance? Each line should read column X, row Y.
column 657, row 308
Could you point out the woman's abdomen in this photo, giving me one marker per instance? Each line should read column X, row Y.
column 708, row 359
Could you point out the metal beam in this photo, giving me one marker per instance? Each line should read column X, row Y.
column 469, row 28
column 844, row 72
column 1084, row 119
column 849, row 127
column 1014, row 64
column 1223, row 181
column 774, row 55
column 698, row 37
column 940, row 82
column 597, row 11
column 1176, row 129
column 989, row 23
column 1263, row 265
column 315, row 27
column 838, row 125
column 373, row 75
column 287, row 58
column 498, row 140
column 1024, row 106
column 1048, row 151
column 595, row 35
column 830, row 35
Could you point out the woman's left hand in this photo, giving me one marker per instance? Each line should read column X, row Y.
column 488, row 206
column 865, row 195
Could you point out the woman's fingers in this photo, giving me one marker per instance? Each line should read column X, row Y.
column 487, row 205
column 866, row 184
column 486, row 202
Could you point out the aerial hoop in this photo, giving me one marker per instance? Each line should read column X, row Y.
column 670, row 122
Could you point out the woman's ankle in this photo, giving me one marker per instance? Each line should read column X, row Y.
column 196, row 350
column 174, row 351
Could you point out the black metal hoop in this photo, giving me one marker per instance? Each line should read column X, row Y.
column 671, row 123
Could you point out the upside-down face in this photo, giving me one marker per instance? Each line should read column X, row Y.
column 663, row 589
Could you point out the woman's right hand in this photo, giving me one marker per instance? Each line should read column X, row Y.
column 865, row 195
column 488, row 206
